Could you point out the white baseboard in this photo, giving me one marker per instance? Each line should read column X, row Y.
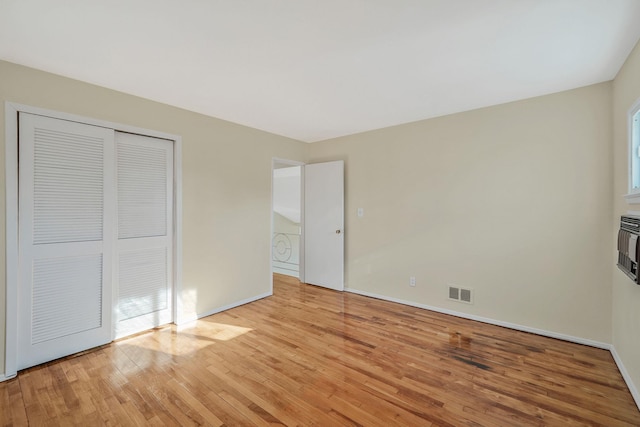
column 490, row 321
column 223, row 308
column 626, row 376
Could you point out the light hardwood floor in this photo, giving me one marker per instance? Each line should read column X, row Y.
column 311, row 356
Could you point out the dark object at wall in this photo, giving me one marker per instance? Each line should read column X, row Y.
column 628, row 253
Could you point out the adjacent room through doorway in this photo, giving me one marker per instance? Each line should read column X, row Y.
column 287, row 219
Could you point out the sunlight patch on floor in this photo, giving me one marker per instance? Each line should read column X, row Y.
column 185, row 340
column 219, row 331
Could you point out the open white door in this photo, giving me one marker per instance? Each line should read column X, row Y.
column 324, row 224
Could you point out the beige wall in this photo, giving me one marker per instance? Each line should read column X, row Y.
column 226, row 193
column 512, row 201
column 626, row 295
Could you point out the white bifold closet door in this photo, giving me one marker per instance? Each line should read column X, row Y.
column 144, row 174
column 95, row 236
column 65, row 292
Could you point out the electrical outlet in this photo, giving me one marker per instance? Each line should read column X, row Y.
column 412, row 281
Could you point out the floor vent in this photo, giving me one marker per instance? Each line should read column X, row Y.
column 460, row 294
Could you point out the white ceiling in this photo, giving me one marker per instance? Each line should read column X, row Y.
column 318, row 69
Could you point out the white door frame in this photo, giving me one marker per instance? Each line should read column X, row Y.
column 278, row 161
column 11, row 218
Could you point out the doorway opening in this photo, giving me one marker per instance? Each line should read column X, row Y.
column 287, row 238
column 307, row 228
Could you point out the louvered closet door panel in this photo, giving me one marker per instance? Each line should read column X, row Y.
column 68, row 180
column 143, row 282
column 56, row 283
column 65, row 290
column 144, row 175
column 142, row 187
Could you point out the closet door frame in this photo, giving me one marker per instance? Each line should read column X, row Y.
column 11, row 218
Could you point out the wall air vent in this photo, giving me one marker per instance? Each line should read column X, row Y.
column 461, row 294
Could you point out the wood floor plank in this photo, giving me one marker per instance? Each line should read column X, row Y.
column 311, row 356
column 12, row 404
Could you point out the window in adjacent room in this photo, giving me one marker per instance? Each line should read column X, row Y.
column 634, row 154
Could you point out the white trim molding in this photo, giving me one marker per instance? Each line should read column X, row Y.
column 625, row 375
column 11, row 239
column 178, row 313
column 632, row 198
column 633, row 129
